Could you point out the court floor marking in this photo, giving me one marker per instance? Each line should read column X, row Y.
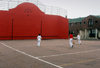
column 30, row 55
column 88, row 51
column 79, row 62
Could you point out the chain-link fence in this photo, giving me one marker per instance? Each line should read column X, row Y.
column 8, row 4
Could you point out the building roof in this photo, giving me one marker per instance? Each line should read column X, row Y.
column 75, row 20
column 98, row 16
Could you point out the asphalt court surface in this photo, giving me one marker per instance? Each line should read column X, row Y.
column 51, row 54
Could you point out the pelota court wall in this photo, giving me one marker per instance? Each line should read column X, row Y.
column 26, row 21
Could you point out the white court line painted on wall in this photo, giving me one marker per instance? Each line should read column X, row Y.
column 31, row 56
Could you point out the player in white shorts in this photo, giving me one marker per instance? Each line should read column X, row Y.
column 39, row 40
column 78, row 38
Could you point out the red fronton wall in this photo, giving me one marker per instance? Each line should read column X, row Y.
column 50, row 26
column 63, row 27
column 5, row 25
column 54, row 27
column 26, row 21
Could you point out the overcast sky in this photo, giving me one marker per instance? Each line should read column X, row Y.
column 76, row 8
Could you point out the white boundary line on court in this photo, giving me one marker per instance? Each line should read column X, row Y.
column 31, row 56
column 69, row 53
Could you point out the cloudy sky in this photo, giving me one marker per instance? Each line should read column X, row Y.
column 76, row 8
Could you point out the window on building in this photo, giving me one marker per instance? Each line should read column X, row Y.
column 92, row 33
column 96, row 22
column 90, row 22
column 70, row 24
column 80, row 23
column 84, row 22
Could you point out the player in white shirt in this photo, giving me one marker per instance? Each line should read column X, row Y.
column 78, row 38
column 39, row 40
